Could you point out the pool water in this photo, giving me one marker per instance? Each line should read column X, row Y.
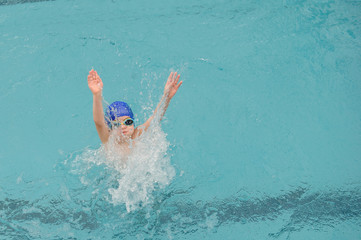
column 262, row 141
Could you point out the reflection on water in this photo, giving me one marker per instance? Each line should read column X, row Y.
column 12, row 2
column 169, row 214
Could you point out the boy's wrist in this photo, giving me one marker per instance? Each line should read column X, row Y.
column 167, row 98
column 98, row 94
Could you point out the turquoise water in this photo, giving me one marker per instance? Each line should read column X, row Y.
column 262, row 141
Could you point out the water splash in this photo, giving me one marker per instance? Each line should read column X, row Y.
column 128, row 179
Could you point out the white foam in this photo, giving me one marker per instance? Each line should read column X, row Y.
column 132, row 178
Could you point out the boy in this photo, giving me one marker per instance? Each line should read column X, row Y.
column 119, row 116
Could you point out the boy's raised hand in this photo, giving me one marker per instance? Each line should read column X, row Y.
column 94, row 82
column 172, row 85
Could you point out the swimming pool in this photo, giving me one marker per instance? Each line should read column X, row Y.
column 261, row 142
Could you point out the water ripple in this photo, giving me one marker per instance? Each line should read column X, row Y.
column 171, row 213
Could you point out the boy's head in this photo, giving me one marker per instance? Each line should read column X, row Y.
column 119, row 114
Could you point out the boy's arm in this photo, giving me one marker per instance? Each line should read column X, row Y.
column 170, row 89
column 96, row 85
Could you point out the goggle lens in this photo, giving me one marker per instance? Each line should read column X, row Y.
column 127, row 122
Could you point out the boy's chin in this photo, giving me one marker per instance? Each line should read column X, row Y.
column 125, row 136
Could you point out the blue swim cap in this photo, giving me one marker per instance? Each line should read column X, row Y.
column 117, row 109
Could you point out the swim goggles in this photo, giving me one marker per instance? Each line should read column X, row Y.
column 126, row 122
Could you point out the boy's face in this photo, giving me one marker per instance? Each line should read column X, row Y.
column 124, row 130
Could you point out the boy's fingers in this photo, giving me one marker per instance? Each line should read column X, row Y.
column 170, row 76
column 179, row 84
